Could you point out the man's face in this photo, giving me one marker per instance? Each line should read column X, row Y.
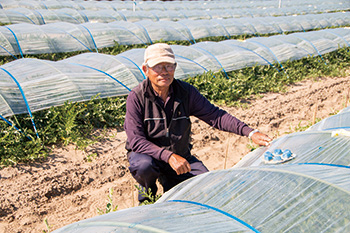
column 160, row 75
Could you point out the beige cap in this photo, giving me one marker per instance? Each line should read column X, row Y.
column 157, row 53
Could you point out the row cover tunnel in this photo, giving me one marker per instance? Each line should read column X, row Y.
column 24, row 15
column 309, row 193
column 28, row 85
column 21, row 39
column 299, row 6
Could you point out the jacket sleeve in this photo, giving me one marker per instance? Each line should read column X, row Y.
column 201, row 107
column 135, row 131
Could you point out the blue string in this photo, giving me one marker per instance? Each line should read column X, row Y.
column 86, row 19
column 44, row 5
column 312, row 46
column 193, row 62
column 92, row 38
column 19, row 47
column 189, row 40
column 25, row 100
column 25, row 16
column 113, row 8
column 149, row 38
column 220, row 211
column 8, row 122
column 184, row 14
column 255, row 54
column 143, row 74
column 42, row 18
column 302, row 27
column 153, row 14
column 71, row 17
column 76, row 39
column 256, row 31
column 133, row 34
column 227, row 37
column 270, row 52
column 189, row 31
column 82, row 7
column 324, row 164
column 113, row 17
column 337, row 127
column 339, row 36
column 103, row 73
column 125, row 19
column 8, row 52
column 215, row 59
column 278, row 26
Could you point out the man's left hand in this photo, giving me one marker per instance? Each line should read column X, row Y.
column 261, row 139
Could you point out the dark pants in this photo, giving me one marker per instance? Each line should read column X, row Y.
column 146, row 170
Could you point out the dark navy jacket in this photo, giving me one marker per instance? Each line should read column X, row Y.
column 147, row 127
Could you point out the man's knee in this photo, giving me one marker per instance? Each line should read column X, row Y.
column 142, row 165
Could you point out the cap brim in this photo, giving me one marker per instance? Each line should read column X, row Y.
column 153, row 62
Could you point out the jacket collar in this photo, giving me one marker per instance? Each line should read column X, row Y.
column 178, row 90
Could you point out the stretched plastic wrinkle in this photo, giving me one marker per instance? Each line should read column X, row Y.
column 24, row 99
column 315, row 145
column 49, row 83
column 126, row 67
column 163, row 217
column 310, row 193
column 174, row 5
column 338, row 121
column 65, row 37
column 254, row 199
column 150, row 10
column 308, row 146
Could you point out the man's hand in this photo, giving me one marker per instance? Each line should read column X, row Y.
column 179, row 164
column 261, row 139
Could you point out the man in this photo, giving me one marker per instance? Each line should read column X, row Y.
column 158, row 126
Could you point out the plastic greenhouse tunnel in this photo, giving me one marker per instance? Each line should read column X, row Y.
column 28, row 85
column 305, row 190
column 39, row 84
column 45, row 12
column 18, row 40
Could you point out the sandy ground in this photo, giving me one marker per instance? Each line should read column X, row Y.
column 66, row 188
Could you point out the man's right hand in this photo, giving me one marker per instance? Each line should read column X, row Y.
column 179, row 164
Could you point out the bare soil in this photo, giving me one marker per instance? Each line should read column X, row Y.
column 66, row 188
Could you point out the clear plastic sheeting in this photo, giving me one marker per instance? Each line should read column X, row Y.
column 42, row 16
column 290, row 198
column 73, row 15
column 298, row 5
column 40, row 84
column 19, row 39
column 164, row 217
column 307, row 194
column 338, row 121
column 29, row 85
column 326, row 142
column 321, row 147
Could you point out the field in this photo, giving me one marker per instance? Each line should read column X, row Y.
column 66, row 176
column 66, row 187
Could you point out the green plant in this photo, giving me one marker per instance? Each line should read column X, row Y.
column 300, row 127
column 109, row 207
column 74, row 123
column 71, row 123
column 48, row 227
column 151, row 198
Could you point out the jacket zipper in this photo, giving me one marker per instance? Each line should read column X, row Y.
column 166, row 121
